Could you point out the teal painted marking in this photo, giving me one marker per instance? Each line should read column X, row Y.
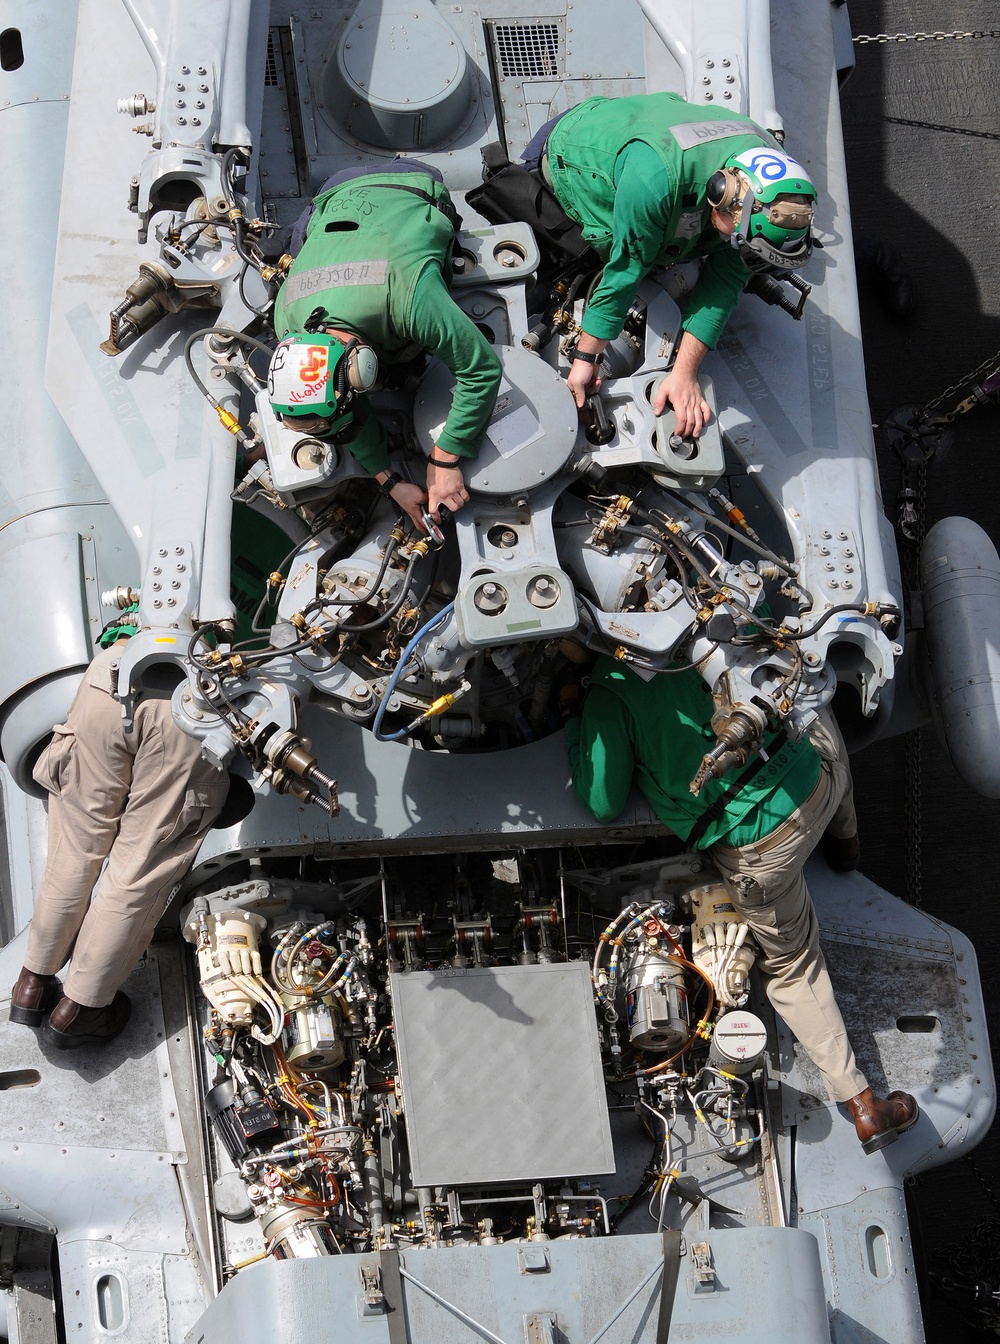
column 191, row 418
column 116, row 391
column 765, row 405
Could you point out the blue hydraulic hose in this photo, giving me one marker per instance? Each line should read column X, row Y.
column 404, row 659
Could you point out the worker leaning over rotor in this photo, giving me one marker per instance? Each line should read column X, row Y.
column 370, row 287
column 653, row 180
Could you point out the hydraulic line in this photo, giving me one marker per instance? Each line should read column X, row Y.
column 399, row 669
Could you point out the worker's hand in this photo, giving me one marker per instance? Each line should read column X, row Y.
column 583, row 381
column 445, row 485
column 410, row 499
column 683, row 392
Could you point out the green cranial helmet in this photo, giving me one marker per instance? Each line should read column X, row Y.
column 313, row 379
column 773, row 212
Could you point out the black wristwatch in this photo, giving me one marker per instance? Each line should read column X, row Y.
column 586, row 356
column 386, row 486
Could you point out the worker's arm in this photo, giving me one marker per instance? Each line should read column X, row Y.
column 439, row 325
column 721, row 282
column 601, row 754
column 370, row 449
column 682, row 390
column 643, row 202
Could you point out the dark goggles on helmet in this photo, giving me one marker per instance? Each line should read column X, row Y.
column 317, row 426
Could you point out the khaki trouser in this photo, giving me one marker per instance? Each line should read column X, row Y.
column 766, row 885
column 141, row 801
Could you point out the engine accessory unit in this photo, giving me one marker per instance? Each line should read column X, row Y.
column 738, row 1043
column 656, row 1001
column 720, row 944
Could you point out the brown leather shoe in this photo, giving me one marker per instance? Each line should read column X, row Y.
column 842, row 853
column 71, row 1025
column 880, row 1121
column 33, row 997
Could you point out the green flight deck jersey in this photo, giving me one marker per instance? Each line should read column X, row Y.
column 632, row 173
column 659, row 731
column 376, row 256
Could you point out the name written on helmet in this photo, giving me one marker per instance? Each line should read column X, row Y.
column 305, row 370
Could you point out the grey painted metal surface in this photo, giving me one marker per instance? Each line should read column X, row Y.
column 514, row 1044
column 794, row 1233
column 960, row 574
column 764, row 1286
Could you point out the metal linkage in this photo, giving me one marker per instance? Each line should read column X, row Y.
column 865, row 39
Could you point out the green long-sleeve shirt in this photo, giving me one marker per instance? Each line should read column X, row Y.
column 632, row 172
column 375, row 259
column 656, row 733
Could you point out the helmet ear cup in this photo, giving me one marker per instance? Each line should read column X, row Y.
column 722, row 189
column 358, row 367
column 362, row 368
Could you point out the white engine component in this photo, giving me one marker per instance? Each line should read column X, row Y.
column 738, row 1043
column 721, row 944
column 229, row 966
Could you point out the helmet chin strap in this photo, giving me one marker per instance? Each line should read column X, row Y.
column 746, row 210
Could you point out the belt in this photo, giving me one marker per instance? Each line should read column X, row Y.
column 787, row 828
column 543, row 165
